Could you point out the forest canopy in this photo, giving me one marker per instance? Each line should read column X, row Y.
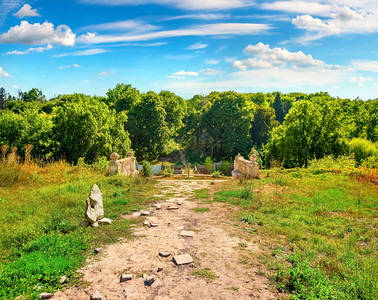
column 291, row 129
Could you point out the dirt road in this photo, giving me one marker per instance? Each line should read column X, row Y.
column 218, row 271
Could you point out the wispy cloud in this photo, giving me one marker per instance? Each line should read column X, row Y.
column 26, row 11
column 185, row 73
column 197, row 46
column 366, row 65
column 105, row 73
column 30, row 50
column 207, row 17
column 209, row 71
column 182, row 4
column 69, row 66
column 7, row 6
column 218, row 29
column 212, row 61
column 83, row 52
column 125, row 25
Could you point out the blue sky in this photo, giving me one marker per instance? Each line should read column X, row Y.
column 190, row 46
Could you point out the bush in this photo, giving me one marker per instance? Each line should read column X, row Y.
column 209, row 164
column 363, row 149
column 168, row 172
column 216, row 174
column 330, row 162
column 147, row 169
column 224, row 167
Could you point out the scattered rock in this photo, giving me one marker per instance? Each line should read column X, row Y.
column 96, row 296
column 158, row 205
column 136, row 214
column 134, row 209
column 130, row 289
column 150, row 279
column 182, row 259
column 105, row 221
column 98, row 250
column 45, row 296
column 146, row 223
column 164, row 253
column 95, row 224
column 172, row 207
column 180, row 228
column 154, row 225
column 63, row 279
column 187, row 233
column 159, row 269
column 145, row 213
column 126, row 277
column 144, row 276
column 179, row 202
column 120, row 239
column 94, row 210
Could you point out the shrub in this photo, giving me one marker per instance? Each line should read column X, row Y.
column 209, row 164
column 224, row 167
column 147, row 169
column 363, row 149
column 330, row 162
column 216, row 174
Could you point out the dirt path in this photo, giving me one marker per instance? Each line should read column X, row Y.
column 213, row 246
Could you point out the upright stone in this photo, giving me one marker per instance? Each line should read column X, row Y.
column 94, row 210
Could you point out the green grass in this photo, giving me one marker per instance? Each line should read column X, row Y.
column 202, row 194
column 206, row 274
column 320, row 231
column 201, row 209
column 41, row 239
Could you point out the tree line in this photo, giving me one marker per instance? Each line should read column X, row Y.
column 289, row 129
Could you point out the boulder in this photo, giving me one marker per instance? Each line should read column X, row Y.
column 94, row 210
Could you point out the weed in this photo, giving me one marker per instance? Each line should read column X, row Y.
column 202, row 194
column 201, row 209
column 205, row 274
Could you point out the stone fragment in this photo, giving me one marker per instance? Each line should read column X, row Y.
column 134, row 209
column 145, row 212
column 120, row 240
column 172, row 207
column 146, row 223
column 96, row 296
column 45, row 296
column 63, row 279
column 154, row 225
column 98, row 250
column 144, row 276
column 130, row 289
column 159, row 269
column 164, row 253
column 126, row 277
column 105, row 221
column 158, row 206
column 182, row 259
column 150, row 279
column 187, row 233
column 179, row 202
column 95, row 224
column 180, row 228
column 94, row 210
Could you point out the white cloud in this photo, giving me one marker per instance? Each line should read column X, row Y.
column 366, row 65
column 206, row 17
column 26, row 11
column 30, row 50
column 182, row 4
column 69, row 66
column 185, row 73
column 265, row 57
column 197, row 46
column 3, row 73
column 209, row 71
column 34, row 34
column 130, row 25
column 175, row 77
column 212, row 61
column 360, row 79
column 85, row 81
column 15, row 87
column 219, row 29
column 8, row 6
column 105, row 73
column 303, row 7
column 83, row 52
column 342, row 20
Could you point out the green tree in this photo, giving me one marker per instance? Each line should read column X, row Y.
column 310, row 131
column 278, row 108
column 87, row 128
column 175, row 107
column 32, row 95
column 11, row 128
column 264, row 121
column 3, row 98
column 123, row 97
column 147, row 126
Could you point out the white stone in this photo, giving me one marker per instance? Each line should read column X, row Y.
column 182, row 259
column 150, row 279
column 154, row 225
column 98, row 250
column 172, row 207
column 105, row 221
column 145, row 213
column 95, row 224
column 187, row 233
column 164, row 253
column 63, row 279
column 96, row 296
column 146, row 223
column 94, row 210
column 45, row 296
column 126, row 277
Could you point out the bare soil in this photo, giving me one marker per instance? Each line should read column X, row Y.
column 216, row 245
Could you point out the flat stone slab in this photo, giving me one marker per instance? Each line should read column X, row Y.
column 45, row 296
column 126, row 277
column 105, row 221
column 145, row 213
column 154, row 225
column 146, row 223
column 180, row 202
column 172, row 207
column 96, row 296
column 158, row 205
column 150, row 279
column 164, row 253
column 182, row 259
column 187, row 233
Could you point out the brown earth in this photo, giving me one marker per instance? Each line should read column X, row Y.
column 214, row 246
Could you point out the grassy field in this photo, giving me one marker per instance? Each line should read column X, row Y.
column 318, row 230
column 42, row 207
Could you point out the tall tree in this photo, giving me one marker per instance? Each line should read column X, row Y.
column 3, row 98
column 123, row 97
column 33, row 95
column 264, row 120
column 278, row 108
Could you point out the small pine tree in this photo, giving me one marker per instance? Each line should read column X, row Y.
column 278, row 108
